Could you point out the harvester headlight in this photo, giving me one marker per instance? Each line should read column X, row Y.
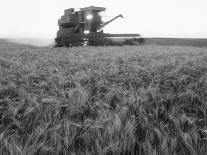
column 89, row 17
column 86, row 32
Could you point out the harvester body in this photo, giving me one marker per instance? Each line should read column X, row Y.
column 85, row 27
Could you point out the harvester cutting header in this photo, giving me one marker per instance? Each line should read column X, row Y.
column 85, row 27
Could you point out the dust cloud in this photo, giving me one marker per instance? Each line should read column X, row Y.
column 39, row 42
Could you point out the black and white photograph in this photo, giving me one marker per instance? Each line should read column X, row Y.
column 113, row 77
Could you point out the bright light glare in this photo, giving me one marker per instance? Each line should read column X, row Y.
column 86, row 32
column 89, row 17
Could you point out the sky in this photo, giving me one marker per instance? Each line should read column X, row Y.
column 150, row 18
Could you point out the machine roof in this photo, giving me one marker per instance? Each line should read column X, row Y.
column 93, row 8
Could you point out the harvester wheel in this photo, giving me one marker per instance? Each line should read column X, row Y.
column 106, row 43
column 70, row 45
column 141, row 40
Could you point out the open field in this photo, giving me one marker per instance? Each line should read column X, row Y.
column 139, row 100
column 199, row 42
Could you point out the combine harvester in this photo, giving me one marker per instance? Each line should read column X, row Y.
column 85, row 27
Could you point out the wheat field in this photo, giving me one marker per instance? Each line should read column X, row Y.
column 138, row 100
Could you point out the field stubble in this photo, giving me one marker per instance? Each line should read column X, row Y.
column 145, row 100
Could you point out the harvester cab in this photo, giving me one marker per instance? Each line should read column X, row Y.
column 85, row 27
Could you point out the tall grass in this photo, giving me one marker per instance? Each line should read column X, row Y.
column 104, row 100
